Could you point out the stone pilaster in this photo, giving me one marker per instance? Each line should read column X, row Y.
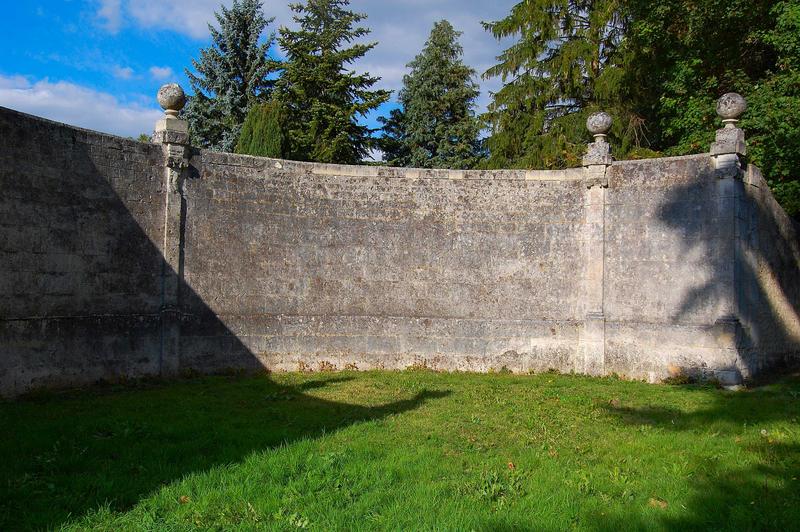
column 173, row 135
column 728, row 152
column 591, row 357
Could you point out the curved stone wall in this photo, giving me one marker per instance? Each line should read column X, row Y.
column 122, row 259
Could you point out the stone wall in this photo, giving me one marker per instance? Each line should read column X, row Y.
column 364, row 267
column 121, row 259
column 80, row 275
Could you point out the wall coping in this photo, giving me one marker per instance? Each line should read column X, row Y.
column 342, row 170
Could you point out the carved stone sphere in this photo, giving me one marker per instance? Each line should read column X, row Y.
column 171, row 97
column 599, row 123
column 731, row 106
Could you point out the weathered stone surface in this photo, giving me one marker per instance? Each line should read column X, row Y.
column 731, row 106
column 598, row 153
column 599, row 123
column 80, row 275
column 120, row 259
column 171, row 97
column 729, row 140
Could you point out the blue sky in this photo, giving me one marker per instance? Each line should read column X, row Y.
column 99, row 63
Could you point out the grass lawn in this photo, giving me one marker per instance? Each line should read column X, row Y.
column 403, row 451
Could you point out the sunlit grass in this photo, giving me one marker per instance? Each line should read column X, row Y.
column 402, row 451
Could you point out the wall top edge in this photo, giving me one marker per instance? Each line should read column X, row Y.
column 654, row 160
column 77, row 129
column 341, row 170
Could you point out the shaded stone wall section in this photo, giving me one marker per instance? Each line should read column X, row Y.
column 80, row 275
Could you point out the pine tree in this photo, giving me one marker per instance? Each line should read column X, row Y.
column 393, row 143
column 262, row 133
column 437, row 127
column 562, row 65
column 323, row 99
column 232, row 75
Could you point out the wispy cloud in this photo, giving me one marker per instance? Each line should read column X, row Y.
column 110, row 14
column 122, row 72
column 190, row 17
column 400, row 27
column 161, row 73
column 76, row 105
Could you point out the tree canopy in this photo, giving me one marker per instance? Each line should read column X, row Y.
column 262, row 131
column 323, row 98
column 658, row 68
column 562, row 63
column 436, row 127
column 684, row 55
column 231, row 75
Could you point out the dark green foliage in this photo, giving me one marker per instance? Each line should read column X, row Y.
column 684, row 55
column 437, row 127
column 232, row 75
column 562, row 65
column 658, row 68
column 323, row 99
column 393, row 143
column 262, row 133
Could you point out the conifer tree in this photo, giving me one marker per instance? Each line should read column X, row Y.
column 322, row 97
column 262, row 133
column 562, row 64
column 232, row 75
column 437, row 127
column 393, row 143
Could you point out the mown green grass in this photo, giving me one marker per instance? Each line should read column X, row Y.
column 403, row 451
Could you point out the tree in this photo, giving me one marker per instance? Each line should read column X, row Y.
column 562, row 65
column 684, row 54
column 393, row 143
column 233, row 74
column 262, row 133
column 322, row 98
column 437, row 127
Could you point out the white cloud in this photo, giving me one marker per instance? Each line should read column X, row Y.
column 110, row 14
column 122, row 72
column 76, row 105
column 190, row 17
column 399, row 26
column 161, row 73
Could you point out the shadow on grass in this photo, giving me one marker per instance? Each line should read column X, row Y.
column 66, row 455
column 750, row 496
column 123, row 311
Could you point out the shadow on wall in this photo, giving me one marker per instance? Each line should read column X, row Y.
column 84, row 283
column 766, row 267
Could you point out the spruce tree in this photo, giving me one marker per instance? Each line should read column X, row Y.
column 393, row 143
column 437, row 127
column 232, row 75
column 262, row 133
column 562, row 65
column 322, row 97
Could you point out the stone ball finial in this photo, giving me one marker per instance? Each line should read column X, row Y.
column 730, row 107
column 599, row 124
column 171, row 98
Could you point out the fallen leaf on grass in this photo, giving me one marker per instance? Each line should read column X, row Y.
column 184, row 499
column 658, row 503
